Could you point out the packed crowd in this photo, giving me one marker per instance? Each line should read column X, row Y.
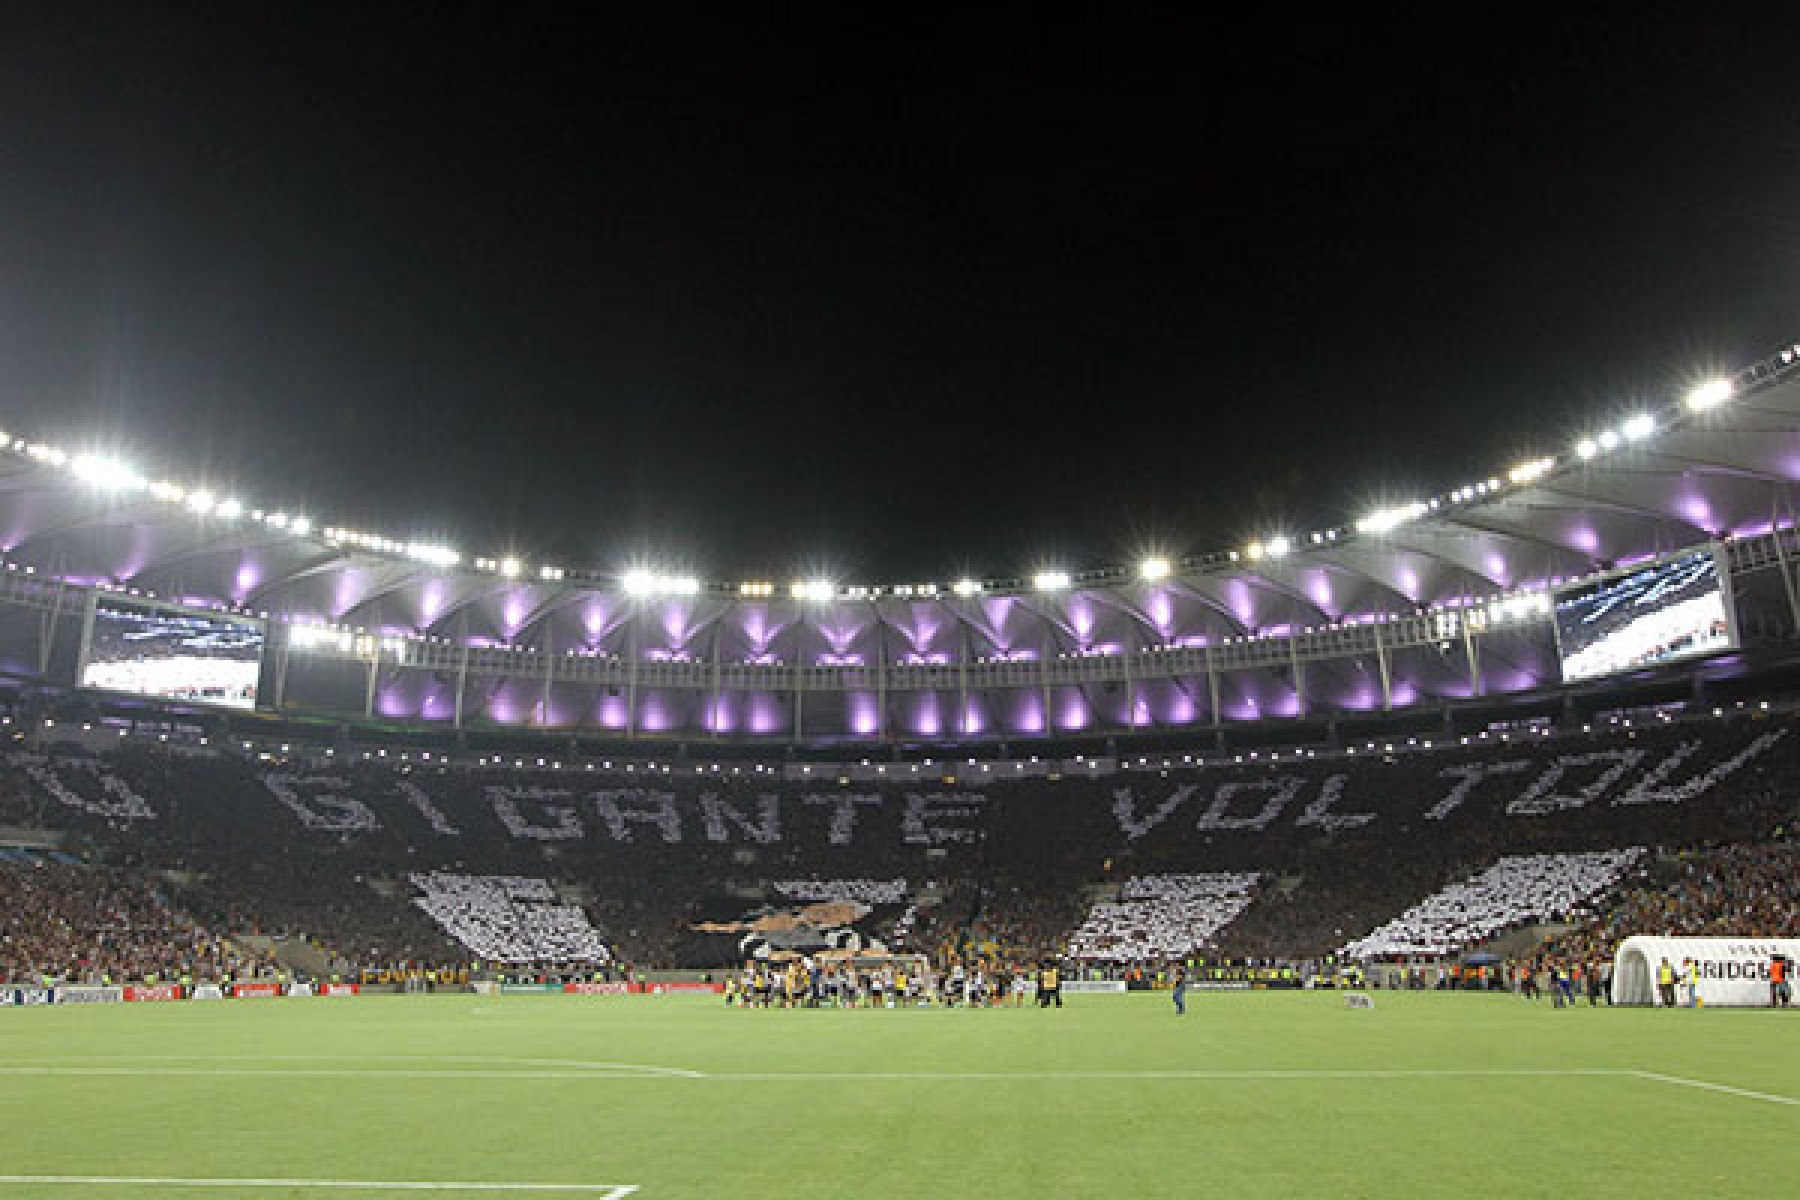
column 83, row 924
column 1341, row 846
column 1728, row 891
column 509, row 919
column 1514, row 891
column 1161, row 917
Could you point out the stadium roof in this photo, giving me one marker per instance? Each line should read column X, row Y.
column 1715, row 464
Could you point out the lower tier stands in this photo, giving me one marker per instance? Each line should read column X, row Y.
column 327, row 850
column 1516, row 890
column 509, row 919
column 1161, row 917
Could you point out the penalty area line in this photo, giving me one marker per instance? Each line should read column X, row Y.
column 1727, row 1089
column 605, row 1191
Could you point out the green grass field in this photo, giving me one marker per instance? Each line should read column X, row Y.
column 1275, row 1094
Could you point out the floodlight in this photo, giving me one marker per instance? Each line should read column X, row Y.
column 966, row 587
column 1154, row 568
column 1050, row 581
column 1586, row 448
column 229, row 509
column 300, row 525
column 817, row 590
column 1640, row 426
column 201, row 501
column 1609, row 440
column 638, row 582
column 510, row 567
column 1279, row 546
column 106, row 473
column 1710, row 394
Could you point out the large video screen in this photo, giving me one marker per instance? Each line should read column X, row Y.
column 154, row 650
column 1673, row 610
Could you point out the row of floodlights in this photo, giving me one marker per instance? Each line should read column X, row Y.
column 113, row 476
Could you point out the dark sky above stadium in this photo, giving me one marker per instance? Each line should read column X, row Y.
column 974, row 292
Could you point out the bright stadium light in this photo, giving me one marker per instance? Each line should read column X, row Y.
column 230, row 509
column 1154, row 568
column 300, row 525
column 201, row 501
column 437, row 556
column 1609, row 440
column 1279, row 546
column 966, row 587
column 510, row 567
column 1050, row 581
column 1586, row 448
column 106, row 474
column 638, row 582
column 816, row 590
column 1710, row 394
column 1639, row 427
column 756, row 588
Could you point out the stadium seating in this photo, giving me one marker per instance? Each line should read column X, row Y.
column 1514, row 890
column 326, row 849
column 509, row 918
column 1159, row 917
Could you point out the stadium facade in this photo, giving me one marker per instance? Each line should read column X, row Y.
column 1512, row 587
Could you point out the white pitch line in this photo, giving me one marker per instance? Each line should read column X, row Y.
column 605, row 1191
column 337, row 1073
column 1079, row 1076
column 1746, row 1093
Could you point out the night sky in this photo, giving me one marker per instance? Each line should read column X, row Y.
column 973, row 294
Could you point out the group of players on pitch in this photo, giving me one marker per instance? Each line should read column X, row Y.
column 814, row 983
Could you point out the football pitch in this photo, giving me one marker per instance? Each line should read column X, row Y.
column 658, row 1097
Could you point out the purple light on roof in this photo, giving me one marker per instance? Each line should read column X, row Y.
column 653, row 714
column 1496, row 566
column 1140, row 713
column 248, row 576
column 1074, row 713
column 1181, row 709
column 766, row 714
column 998, row 611
column 1696, row 510
column 514, row 610
column 391, row 702
column 612, row 713
column 1318, row 586
column 1241, row 601
column 924, row 627
column 1363, row 699
column 431, row 601
column 1404, row 693
column 1409, row 582
column 594, row 617
column 1081, row 618
column 346, row 590
column 675, row 623
column 865, row 718
column 1583, row 538
column 1288, row 705
column 1243, row 710
column 1757, row 530
column 973, row 720
column 927, row 720
column 502, row 708
column 1028, row 713
column 1159, row 606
